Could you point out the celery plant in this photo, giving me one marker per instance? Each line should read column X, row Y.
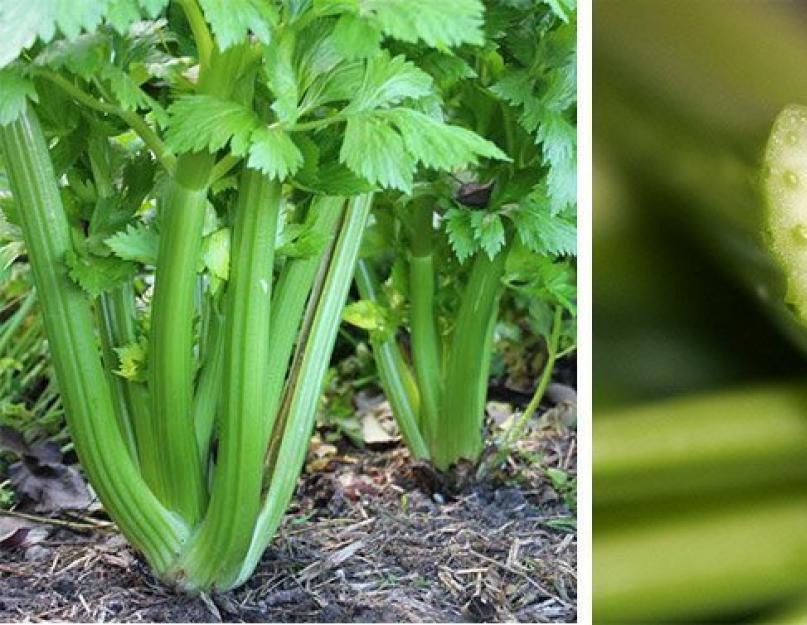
column 192, row 181
column 462, row 239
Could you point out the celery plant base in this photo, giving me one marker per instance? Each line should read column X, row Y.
column 458, row 432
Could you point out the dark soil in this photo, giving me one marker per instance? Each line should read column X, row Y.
column 371, row 537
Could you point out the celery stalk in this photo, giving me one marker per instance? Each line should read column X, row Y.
column 152, row 529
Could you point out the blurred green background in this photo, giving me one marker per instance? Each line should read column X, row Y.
column 700, row 392
column 685, row 93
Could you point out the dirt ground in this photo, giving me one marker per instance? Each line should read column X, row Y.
column 370, row 537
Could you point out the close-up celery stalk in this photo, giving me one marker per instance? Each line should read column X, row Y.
column 700, row 415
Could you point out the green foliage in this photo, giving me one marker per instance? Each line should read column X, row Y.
column 440, row 146
column 22, row 23
column 461, row 233
column 355, row 38
column 15, row 91
column 387, row 81
column 380, row 321
column 541, row 84
column 274, row 153
column 203, row 122
column 132, row 361
column 233, row 20
column 442, row 24
column 98, row 274
column 541, row 231
column 138, row 243
column 565, row 485
column 373, row 150
column 216, row 253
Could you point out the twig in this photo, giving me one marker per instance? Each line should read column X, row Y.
column 74, row 525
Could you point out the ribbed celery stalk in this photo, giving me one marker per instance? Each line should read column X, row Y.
column 459, row 430
column 116, row 384
column 305, row 383
column 426, row 342
column 152, row 529
column 690, row 567
column 171, row 362
column 291, row 293
column 395, row 375
column 208, row 388
column 217, row 550
column 736, row 441
column 119, row 322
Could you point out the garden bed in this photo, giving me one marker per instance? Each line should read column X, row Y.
column 369, row 537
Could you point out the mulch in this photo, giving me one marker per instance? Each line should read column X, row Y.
column 371, row 537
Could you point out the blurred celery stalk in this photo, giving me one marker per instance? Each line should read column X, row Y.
column 685, row 94
column 740, row 441
column 704, row 564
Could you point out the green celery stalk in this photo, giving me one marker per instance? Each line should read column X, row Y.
column 122, row 317
column 290, row 295
column 171, row 365
column 208, row 388
column 217, row 549
column 699, row 564
column 738, row 440
column 307, row 375
column 426, row 342
column 89, row 410
column 116, row 384
column 171, row 362
column 395, row 375
column 459, row 429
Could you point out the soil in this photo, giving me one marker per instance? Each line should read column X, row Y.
column 371, row 537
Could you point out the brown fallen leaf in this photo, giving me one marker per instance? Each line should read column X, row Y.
column 16, row 533
column 41, row 476
column 373, row 432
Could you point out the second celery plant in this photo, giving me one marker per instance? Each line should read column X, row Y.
column 436, row 263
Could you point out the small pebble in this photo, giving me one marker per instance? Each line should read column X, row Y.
column 36, row 552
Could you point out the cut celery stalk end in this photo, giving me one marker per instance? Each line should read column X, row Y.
column 785, row 189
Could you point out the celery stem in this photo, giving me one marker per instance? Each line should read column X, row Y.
column 426, row 345
column 396, row 377
column 459, row 430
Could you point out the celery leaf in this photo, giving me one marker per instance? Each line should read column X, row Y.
column 15, row 91
column 274, row 153
column 199, row 122
column 442, row 24
column 374, row 151
column 136, row 243
column 233, row 20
